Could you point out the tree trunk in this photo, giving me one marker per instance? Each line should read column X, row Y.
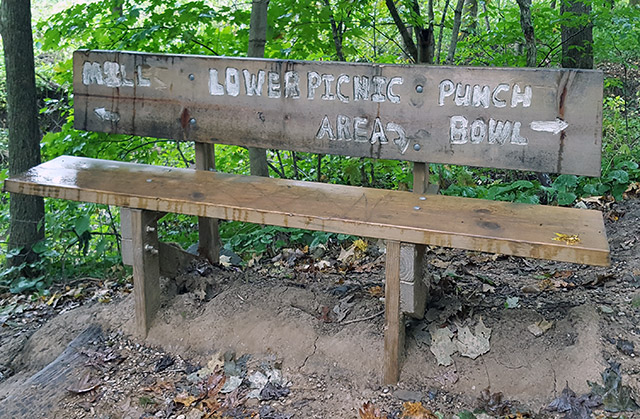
column 457, row 19
column 577, row 40
column 336, row 30
column 486, row 16
column 257, row 41
column 471, row 16
column 116, row 8
column 27, row 212
column 529, row 35
column 402, row 28
column 425, row 37
column 444, row 15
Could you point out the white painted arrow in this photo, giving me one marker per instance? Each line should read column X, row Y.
column 106, row 115
column 555, row 127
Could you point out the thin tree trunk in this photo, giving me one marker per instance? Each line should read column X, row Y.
column 454, row 34
column 27, row 212
column 444, row 15
column 486, row 16
column 529, row 35
column 116, row 7
column 402, row 28
column 471, row 16
column 425, row 36
column 577, row 40
column 336, row 30
column 257, row 41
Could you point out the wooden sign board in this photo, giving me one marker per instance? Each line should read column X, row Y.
column 545, row 120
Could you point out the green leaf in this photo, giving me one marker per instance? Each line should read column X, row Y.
column 566, row 198
column 563, row 182
column 619, row 176
column 82, row 225
column 23, row 284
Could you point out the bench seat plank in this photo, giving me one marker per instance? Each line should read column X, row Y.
column 473, row 224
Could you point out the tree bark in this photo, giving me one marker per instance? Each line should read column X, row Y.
column 27, row 212
column 402, row 28
column 257, row 41
column 444, row 15
column 471, row 16
column 336, row 31
column 577, row 40
column 457, row 20
column 529, row 35
column 425, row 36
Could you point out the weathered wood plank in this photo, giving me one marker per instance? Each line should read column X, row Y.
column 146, row 267
column 393, row 327
column 38, row 396
column 491, row 117
column 208, row 236
column 465, row 223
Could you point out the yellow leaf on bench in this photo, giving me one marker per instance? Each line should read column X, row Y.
column 567, row 238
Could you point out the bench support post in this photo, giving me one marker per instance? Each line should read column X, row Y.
column 394, row 327
column 146, row 267
column 413, row 291
column 209, row 239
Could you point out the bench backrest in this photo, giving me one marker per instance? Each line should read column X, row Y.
column 545, row 120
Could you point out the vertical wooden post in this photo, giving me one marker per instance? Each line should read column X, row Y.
column 209, row 239
column 146, row 267
column 412, row 288
column 393, row 329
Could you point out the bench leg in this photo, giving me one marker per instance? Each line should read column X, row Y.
column 209, row 239
column 394, row 327
column 146, row 267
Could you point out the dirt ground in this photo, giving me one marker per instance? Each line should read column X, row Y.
column 311, row 328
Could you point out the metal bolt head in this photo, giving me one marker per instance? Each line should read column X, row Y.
column 192, row 77
column 417, row 208
column 149, row 180
column 419, row 88
column 423, row 198
column 416, row 147
column 192, row 121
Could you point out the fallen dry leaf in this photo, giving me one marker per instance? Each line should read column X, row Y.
column 440, row 263
column 539, row 328
column 415, row 410
column 369, row 411
column 569, row 239
column 185, row 399
column 346, row 254
column 376, row 291
column 360, row 245
column 85, row 385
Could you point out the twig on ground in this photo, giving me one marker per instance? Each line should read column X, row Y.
column 362, row 319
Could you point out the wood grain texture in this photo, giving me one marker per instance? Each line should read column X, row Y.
column 208, row 235
column 174, row 96
column 146, row 267
column 393, row 329
column 41, row 394
column 447, row 221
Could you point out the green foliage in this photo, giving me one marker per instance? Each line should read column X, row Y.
column 78, row 232
column 249, row 239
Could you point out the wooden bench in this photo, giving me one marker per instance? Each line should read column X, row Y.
column 526, row 119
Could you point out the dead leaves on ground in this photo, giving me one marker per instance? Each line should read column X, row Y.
column 369, row 411
column 410, row 410
column 415, row 410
